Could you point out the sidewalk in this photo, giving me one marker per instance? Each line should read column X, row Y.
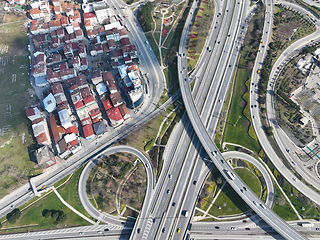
column 71, row 208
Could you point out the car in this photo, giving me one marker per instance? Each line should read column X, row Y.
column 217, row 227
column 261, row 205
column 244, row 221
column 163, row 230
column 185, row 79
column 138, row 230
column 255, row 203
column 80, row 233
column 218, row 42
column 154, row 220
column 245, row 188
column 173, row 204
column 229, row 65
column 147, row 166
column 233, row 228
column 170, row 176
column 124, row 16
column 99, row 232
column 227, row 10
column 221, row 161
column 294, row 179
column 247, row 228
column 12, row 206
column 31, row 194
column 178, row 230
column 135, row 126
column 194, row 182
column 168, row 191
column 215, row 27
column 278, row 67
column 251, row 106
column 317, row 229
column 287, row 150
column 241, row 190
column 147, row 42
column 106, row 230
column 294, row 163
column 253, row 116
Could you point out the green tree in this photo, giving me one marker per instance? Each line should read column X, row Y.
column 46, row 213
column 13, row 216
column 62, row 217
column 54, row 213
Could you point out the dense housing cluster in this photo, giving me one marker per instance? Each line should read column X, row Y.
column 80, row 100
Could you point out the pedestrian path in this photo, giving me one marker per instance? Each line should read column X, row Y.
column 71, row 208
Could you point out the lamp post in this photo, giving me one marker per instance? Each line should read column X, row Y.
column 237, row 120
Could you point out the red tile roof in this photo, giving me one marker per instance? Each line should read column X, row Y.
column 72, row 143
column 88, row 131
column 41, row 138
column 94, row 113
column 56, row 88
column 78, row 105
column 125, row 41
column 107, row 105
column 72, row 129
column 88, row 15
column 57, row 131
column 114, row 114
column 88, row 100
column 85, row 92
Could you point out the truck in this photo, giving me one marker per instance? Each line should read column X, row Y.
column 229, row 174
column 306, row 224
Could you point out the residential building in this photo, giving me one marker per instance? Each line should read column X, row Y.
column 124, row 111
column 33, row 113
column 96, row 77
column 88, row 131
column 45, row 157
column 116, row 99
column 107, row 105
column 49, row 103
column 115, row 116
column 109, row 81
column 102, row 11
column 99, row 128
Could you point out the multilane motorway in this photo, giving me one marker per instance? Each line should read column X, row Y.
column 248, row 196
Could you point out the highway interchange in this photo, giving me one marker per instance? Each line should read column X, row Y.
column 191, row 142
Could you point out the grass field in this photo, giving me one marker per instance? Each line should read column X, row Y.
column 15, row 93
column 282, row 207
column 33, row 214
column 239, row 133
column 229, row 202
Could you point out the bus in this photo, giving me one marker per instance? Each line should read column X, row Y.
column 230, row 174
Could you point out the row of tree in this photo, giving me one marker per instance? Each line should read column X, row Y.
column 145, row 17
column 57, row 215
